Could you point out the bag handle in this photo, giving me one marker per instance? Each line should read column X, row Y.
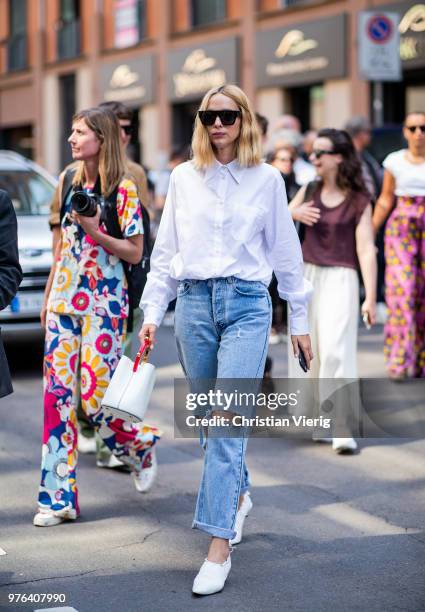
column 143, row 352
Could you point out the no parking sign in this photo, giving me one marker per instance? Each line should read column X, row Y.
column 379, row 46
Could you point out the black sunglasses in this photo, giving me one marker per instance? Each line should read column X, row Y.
column 413, row 128
column 319, row 152
column 227, row 117
column 128, row 129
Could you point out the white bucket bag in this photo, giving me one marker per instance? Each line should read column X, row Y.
column 129, row 391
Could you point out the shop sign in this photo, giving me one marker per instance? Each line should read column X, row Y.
column 130, row 82
column 379, row 46
column 412, row 33
column 302, row 54
column 195, row 70
column 411, row 26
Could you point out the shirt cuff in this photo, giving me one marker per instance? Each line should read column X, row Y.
column 298, row 326
column 298, row 308
column 152, row 316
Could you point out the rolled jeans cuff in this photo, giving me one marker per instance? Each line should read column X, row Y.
column 217, row 532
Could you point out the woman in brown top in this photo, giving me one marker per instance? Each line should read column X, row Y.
column 338, row 237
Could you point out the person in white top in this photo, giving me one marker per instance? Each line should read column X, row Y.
column 225, row 227
column 404, row 181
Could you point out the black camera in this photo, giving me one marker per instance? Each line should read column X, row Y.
column 84, row 204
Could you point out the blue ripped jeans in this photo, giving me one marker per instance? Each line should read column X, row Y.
column 222, row 327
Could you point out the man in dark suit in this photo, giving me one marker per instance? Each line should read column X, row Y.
column 10, row 275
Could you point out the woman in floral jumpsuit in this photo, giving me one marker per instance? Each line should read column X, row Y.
column 85, row 313
column 404, row 179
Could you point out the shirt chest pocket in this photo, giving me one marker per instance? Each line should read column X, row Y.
column 247, row 221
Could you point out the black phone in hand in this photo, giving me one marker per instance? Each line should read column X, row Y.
column 302, row 361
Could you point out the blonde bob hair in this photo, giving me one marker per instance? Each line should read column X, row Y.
column 112, row 165
column 248, row 144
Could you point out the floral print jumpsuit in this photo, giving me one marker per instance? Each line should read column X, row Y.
column 85, row 328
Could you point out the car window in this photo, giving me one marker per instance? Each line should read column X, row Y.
column 30, row 192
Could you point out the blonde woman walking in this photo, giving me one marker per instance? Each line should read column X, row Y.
column 225, row 227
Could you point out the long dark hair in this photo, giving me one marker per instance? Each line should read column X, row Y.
column 349, row 176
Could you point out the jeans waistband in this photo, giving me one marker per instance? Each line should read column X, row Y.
column 230, row 280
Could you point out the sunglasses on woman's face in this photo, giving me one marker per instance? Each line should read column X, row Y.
column 227, row 117
column 319, row 152
column 413, row 128
column 127, row 129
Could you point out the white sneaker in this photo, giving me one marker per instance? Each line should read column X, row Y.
column 211, row 577
column 344, row 445
column 47, row 518
column 145, row 477
column 241, row 515
column 110, row 462
column 86, row 446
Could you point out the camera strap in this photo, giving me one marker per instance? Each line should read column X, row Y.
column 135, row 275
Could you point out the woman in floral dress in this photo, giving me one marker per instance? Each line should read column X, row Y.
column 404, row 182
column 84, row 314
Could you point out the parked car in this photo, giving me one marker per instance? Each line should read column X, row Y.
column 31, row 189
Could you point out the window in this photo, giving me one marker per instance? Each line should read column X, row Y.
column 69, row 10
column 67, row 89
column 205, row 12
column 17, row 42
column 68, row 34
column 130, row 22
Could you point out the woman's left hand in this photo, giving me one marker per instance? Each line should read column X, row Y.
column 89, row 224
column 303, row 343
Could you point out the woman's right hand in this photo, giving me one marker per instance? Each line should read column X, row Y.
column 306, row 213
column 148, row 331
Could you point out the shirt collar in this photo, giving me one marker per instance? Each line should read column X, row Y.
column 233, row 167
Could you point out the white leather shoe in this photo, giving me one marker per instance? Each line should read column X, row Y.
column 241, row 515
column 344, row 445
column 144, row 478
column 211, row 577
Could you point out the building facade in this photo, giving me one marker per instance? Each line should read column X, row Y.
column 160, row 56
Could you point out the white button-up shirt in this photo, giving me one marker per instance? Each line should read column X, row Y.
column 225, row 221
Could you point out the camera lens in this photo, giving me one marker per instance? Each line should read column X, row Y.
column 84, row 204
